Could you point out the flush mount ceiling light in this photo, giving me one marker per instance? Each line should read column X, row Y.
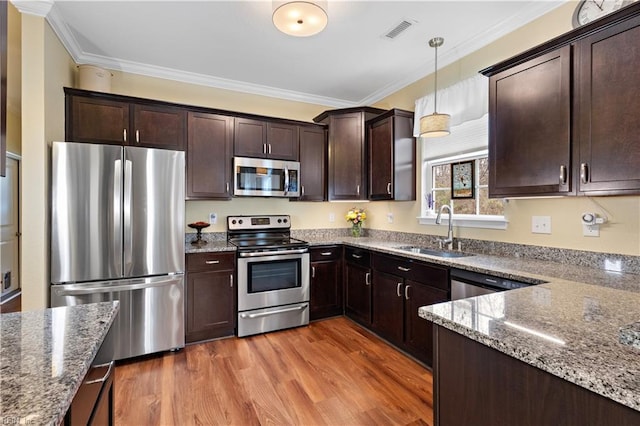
column 435, row 125
column 300, row 18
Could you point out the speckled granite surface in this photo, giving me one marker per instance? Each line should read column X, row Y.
column 630, row 335
column 44, row 355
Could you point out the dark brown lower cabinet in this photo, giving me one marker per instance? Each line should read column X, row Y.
column 357, row 282
column 326, row 282
column 211, row 296
column 388, row 306
column 477, row 385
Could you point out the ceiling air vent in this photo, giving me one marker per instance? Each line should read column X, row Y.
column 400, row 28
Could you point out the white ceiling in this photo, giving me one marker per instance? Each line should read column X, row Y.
column 234, row 45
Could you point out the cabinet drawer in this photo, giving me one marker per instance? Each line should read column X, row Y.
column 215, row 261
column 357, row 256
column 414, row 270
column 319, row 254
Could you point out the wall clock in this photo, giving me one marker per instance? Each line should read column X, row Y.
column 590, row 10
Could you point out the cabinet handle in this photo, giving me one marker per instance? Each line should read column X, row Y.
column 106, row 375
column 406, row 292
column 269, row 148
column 212, row 262
column 398, row 290
column 367, row 278
column 124, row 134
column 389, row 188
column 356, row 256
column 231, row 280
column 264, row 148
column 137, row 136
column 327, row 253
column 563, row 175
column 403, row 269
column 302, row 190
column 358, row 189
column 584, row 172
column 227, row 187
column 313, row 272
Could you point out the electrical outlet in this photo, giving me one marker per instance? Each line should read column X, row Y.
column 390, row 217
column 213, row 218
column 332, row 217
column 541, row 224
column 590, row 230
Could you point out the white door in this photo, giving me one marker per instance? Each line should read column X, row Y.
column 10, row 228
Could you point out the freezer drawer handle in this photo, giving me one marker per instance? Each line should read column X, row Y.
column 106, row 375
column 112, row 289
column 279, row 311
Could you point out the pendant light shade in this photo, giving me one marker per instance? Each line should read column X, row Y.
column 435, row 125
column 300, row 18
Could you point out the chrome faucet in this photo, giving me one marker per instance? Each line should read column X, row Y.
column 449, row 240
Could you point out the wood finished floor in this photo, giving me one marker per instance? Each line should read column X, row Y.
column 332, row 372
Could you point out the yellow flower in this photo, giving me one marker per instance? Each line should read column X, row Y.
column 356, row 216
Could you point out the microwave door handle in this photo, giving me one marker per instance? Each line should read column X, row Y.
column 286, row 180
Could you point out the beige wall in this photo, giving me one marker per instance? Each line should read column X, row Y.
column 14, row 80
column 47, row 67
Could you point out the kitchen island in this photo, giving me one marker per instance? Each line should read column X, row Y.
column 44, row 356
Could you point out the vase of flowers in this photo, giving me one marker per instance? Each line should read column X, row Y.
column 356, row 217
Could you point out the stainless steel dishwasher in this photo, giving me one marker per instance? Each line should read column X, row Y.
column 469, row 284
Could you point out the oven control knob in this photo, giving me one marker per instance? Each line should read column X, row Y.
column 279, row 220
column 233, row 222
column 240, row 221
column 285, row 220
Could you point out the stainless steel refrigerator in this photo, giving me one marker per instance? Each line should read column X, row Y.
column 117, row 233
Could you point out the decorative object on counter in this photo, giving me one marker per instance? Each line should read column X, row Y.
column 198, row 226
column 462, row 182
column 300, row 18
column 356, row 217
column 435, row 125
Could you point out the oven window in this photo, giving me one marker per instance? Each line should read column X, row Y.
column 274, row 275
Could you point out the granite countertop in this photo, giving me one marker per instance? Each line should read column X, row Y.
column 44, row 355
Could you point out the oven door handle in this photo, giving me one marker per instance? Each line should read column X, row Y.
column 273, row 253
column 279, row 311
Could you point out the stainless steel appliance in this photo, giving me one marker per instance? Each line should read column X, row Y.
column 466, row 284
column 117, row 233
column 273, row 274
column 265, row 178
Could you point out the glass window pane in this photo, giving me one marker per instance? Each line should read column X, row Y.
column 442, row 176
column 464, row 206
column 442, row 197
column 492, row 206
column 483, row 170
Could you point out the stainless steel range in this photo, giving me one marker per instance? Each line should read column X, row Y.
column 273, row 274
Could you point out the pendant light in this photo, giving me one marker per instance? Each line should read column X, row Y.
column 435, row 125
column 300, row 18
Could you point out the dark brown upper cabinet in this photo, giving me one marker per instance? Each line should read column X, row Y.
column 313, row 163
column 391, row 156
column 347, row 171
column 119, row 120
column 209, row 156
column 563, row 115
column 264, row 139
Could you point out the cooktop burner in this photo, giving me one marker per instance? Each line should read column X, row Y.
column 262, row 233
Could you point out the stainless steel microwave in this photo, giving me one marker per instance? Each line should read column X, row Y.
column 260, row 177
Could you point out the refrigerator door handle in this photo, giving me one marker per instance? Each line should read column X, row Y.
column 126, row 208
column 88, row 289
column 117, row 215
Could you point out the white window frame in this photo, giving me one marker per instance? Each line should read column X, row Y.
column 460, row 220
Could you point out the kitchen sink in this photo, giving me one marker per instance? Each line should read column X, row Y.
column 433, row 252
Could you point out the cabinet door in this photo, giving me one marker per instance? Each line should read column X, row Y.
column 209, row 156
column 346, row 157
column 326, row 289
column 358, row 293
column 313, row 163
column 250, row 138
column 282, row 141
column 380, row 148
column 210, row 305
column 530, row 127
column 158, row 126
column 418, row 332
column 388, row 302
column 609, row 110
column 97, row 120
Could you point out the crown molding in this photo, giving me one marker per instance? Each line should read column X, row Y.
column 65, row 34
column 33, row 7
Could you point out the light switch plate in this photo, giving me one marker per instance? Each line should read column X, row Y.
column 541, row 224
column 332, row 217
column 390, row 217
